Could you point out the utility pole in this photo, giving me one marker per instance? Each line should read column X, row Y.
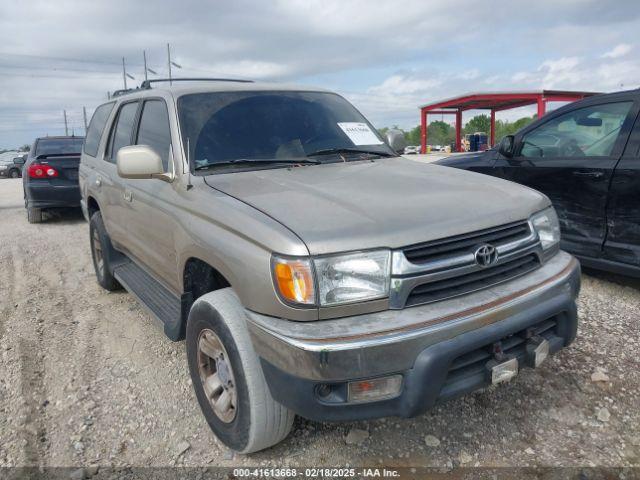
column 144, row 55
column 124, row 74
column 169, row 62
column 66, row 128
column 84, row 115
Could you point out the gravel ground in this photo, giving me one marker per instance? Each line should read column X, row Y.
column 87, row 378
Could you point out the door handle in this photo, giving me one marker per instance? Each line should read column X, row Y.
column 128, row 195
column 588, row 174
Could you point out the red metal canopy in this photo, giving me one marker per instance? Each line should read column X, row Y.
column 494, row 101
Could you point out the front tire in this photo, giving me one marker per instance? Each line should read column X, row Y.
column 227, row 376
column 14, row 174
column 101, row 252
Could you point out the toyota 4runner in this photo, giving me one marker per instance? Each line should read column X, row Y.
column 311, row 269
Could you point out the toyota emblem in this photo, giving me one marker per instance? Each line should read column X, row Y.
column 486, row 255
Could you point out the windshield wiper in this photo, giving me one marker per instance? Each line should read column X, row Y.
column 241, row 161
column 330, row 151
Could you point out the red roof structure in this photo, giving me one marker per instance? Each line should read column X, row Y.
column 495, row 102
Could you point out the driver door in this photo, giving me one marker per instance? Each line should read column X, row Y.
column 571, row 158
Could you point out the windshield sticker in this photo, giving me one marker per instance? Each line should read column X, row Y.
column 359, row 133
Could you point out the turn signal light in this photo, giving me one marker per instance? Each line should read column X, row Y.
column 294, row 280
column 42, row 171
column 375, row 389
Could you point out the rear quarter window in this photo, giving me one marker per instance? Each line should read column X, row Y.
column 96, row 127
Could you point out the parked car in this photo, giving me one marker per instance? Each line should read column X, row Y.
column 311, row 269
column 51, row 175
column 8, row 165
column 411, row 150
column 585, row 157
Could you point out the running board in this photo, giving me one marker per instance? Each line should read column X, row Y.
column 159, row 301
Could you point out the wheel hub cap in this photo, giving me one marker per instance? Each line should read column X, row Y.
column 216, row 376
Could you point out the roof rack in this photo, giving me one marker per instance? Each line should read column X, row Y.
column 123, row 91
column 147, row 83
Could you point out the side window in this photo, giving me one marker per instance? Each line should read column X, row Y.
column 96, row 127
column 121, row 134
column 154, row 129
column 585, row 132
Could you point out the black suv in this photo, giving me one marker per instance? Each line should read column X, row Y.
column 585, row 157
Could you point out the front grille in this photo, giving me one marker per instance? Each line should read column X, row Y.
column 471, row 282
column 452, row 246
column 469, row 369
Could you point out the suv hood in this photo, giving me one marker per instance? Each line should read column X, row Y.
column 391, row 202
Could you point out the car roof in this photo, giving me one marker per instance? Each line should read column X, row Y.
column 58, row 137
column 180, row 88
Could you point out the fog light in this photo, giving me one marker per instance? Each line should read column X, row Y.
column 537, row 351
column 375, row 389
column 503, row 371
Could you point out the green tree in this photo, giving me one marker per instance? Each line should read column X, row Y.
column 25, row 148
column 479, row 123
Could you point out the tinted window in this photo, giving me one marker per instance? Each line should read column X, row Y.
column 52, row 146
column 96, row 126
column 154, row 129
column 585, row 132
column 121, row 136
column 269, row 125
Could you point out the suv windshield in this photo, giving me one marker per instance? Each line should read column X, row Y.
column 234, row 128
column 52, row 146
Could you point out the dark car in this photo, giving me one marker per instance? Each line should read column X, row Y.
column 50, row 176
column 585, row 157
column 11, row 164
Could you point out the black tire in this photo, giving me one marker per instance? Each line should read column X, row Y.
column 259, row 420
column 14, row 173
column 102, row 253
column 34, row 215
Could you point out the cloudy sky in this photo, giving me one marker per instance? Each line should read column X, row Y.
column 387, row 57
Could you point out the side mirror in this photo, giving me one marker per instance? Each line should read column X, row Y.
column 140, row 161
column 507, row 146
column 18, row 161
column 396, row 140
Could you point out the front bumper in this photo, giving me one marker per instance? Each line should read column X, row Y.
column 48, row 195
column 420, row 343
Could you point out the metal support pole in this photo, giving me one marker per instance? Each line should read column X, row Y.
column 542, row 107
column 169, row 62
column 423, row 131
column 459, row 131
column 66, row 128
column 492, row 141
column 124, row 74
column 84, row 115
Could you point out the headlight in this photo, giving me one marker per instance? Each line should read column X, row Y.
column 340, row 279
column 353, row 277
column 3, row 167
column 546, row 225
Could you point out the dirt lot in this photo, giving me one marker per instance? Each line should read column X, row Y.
column 87, row 378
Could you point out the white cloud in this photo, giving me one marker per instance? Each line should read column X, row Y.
column 618, row 51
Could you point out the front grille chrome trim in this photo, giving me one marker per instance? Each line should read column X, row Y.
column 400, row 266
column 406, row 275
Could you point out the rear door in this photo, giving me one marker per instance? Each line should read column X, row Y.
column 112, row 186
column 623, row 211
column 571, row 158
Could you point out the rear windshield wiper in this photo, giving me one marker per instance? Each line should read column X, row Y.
column 240, row 161
column 329, row 151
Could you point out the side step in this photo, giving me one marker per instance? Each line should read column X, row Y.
column 159, row 301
